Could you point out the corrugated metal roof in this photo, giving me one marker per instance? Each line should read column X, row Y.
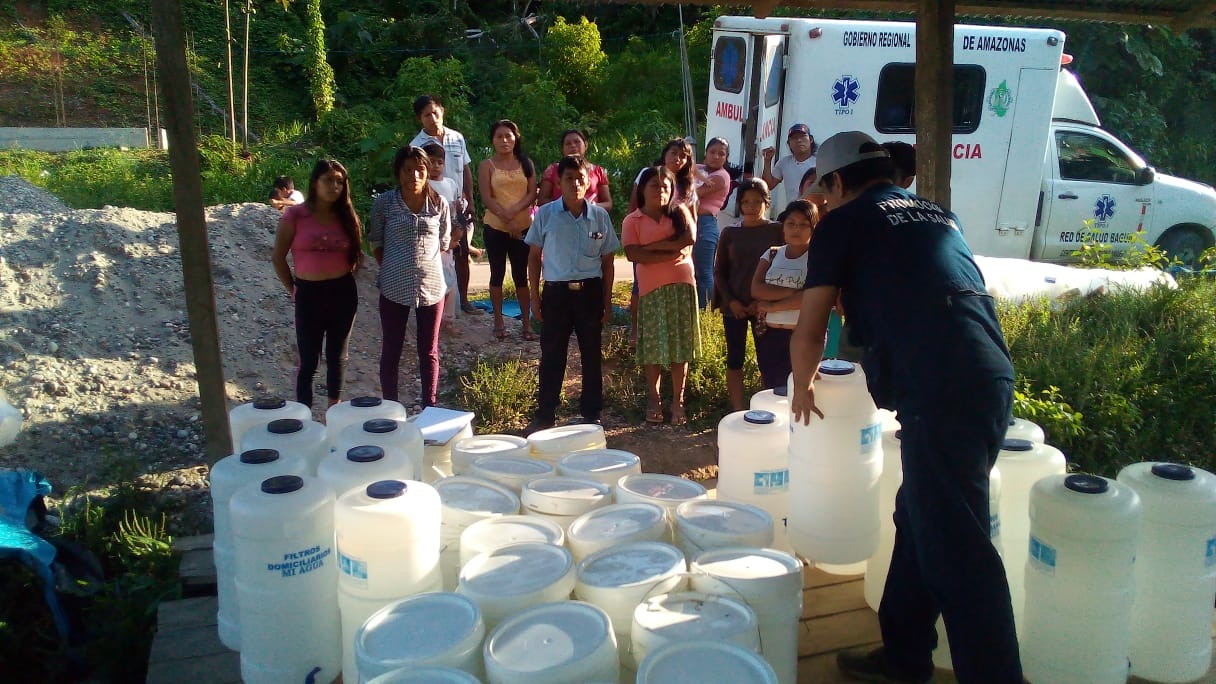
column 1178, row 14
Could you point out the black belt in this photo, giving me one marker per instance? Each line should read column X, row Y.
column 572, row 285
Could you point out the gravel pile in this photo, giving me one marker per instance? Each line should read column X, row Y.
column 18, row 196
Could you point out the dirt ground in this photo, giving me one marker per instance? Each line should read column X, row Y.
column 95, row 347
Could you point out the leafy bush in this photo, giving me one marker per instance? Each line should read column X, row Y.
column 573, row 58
column 502, row 392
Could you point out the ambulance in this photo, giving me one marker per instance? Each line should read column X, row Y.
column 1034, row 174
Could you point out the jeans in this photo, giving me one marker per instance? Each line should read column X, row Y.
column 773, row 356
column 567, row 310
column 703, row 252
column 325, row 315
column 393, row 319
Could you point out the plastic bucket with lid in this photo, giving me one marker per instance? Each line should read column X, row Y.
column 511, row 472
column 770, row 581
column 469, row 448
column 553, row 443
column 667, row 491
column 438, row 628
column 1079, row 580
column 705, row 662
column 355, row 611
column 607, row 466
column 702, row 525
column 614, row 524
column 261, row 411
column 620, row 577
column 286, row 571
column 345, row 413
column 510, row 578
column 563, row 499
column 464, row 501
column 304, row 438
column 227, row 476
column 492, row 533
column 362, row 465
column 437, row 458
column 425, row 675
column 692, row 616
column 1175, row 571
column 385, row 432
column 776, row 401
column 569, row 642
column 754, row 464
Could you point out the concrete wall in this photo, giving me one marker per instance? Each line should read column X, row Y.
column 65, row 139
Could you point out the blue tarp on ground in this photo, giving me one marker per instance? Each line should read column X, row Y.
column 19, row 488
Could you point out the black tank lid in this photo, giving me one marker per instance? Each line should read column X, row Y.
column 282, row 484
column 269, row 403
column 259, row 456
column 285, row 426
column 1086, row 484
column 366, row 402
column 379, row 426
column 364, row 453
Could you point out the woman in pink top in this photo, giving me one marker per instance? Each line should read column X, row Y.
column 324, row 238
column 574, row 143
column 713, row 185
column 658, row 238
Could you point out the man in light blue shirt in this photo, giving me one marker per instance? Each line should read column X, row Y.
column 573, row 244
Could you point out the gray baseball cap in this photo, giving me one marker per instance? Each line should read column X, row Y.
column 844, row 149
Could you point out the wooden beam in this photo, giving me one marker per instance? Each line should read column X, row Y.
column 1200, row 15
column 934, row 111
column 191, row 225
column 761, row 9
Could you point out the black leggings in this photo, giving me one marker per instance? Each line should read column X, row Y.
column 325, row 315
column 500, row 247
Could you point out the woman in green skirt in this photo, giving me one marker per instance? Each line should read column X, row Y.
column 658, row 237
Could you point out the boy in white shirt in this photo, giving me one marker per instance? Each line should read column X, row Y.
column 462, row 225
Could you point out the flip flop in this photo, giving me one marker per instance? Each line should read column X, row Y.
column 528, row 336
column 677, row 416
column 654, row 413
column 500, row 332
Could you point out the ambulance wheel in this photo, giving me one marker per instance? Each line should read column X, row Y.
column 1184, row 244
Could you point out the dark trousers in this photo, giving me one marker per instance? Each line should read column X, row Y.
column 325, row 315
column 773, row 356
column 566, row 310
column 393, row 319
column 943, row 561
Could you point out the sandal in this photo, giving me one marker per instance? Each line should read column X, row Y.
column 654, row 413
column 528, row 335
column 677, row 415
column 500, row 331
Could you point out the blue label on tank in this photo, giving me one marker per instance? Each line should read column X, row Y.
column 300, row 562
column 1209, row 558
column 994, row 526
column 352, row 567
column 1043, row 555
column 771, row 481
column 871, row 437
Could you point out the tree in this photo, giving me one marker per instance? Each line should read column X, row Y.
column 574, row 60
column 320, row 74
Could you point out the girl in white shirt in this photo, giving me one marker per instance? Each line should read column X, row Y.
column 777, row 288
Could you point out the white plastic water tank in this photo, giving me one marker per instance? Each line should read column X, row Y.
column 438, row 628
column 466, row 500
column 513, row 577
column 388, row 538
column 512, row 472
column 692, row 616
column 1020, row 428
column 358, row 410
column 400, row 435
column 362, row 465
column 602, row 465
column 1175, row 571
column 1022, row 463
column 465, row 450
column 563, row 499
column 878, row 564
column 1079, row 580
column 569, row 642
column 261, row 411
column 492, row 533
column 754, row 463
column 615, row 524
column 704, row 524
column 705, row 662
column 305, row 438
column 770, row 581
column 776, row 401
column 620, row 577
column 286, row 571
column 835, row 464
column 553, row 443
column 249, row 468
column 425, row 675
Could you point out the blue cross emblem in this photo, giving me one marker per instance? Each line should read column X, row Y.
column 845, row 91
column 1104, row 208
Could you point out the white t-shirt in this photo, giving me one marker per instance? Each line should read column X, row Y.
column 446, row 187
column 784, row 272
column 455, row 157
column 296, row 196
column 790, row 172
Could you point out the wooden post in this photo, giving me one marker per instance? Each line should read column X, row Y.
column 934, row 98
column 191, row 226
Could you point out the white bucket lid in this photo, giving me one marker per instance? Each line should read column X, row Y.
column 492, row 533
column 418, row 629
column 706, row 662
column 514, row 570
column 563, row 439
column 628, row 565
column 691, row 615
column 603, row 465
column 725, row 519
column 511, row 471
column 469, row 448
column 615, row 524
column 425, row 675
column 665, row 490
column 548, row 641
column 759, row 576
column 476, row 496
column 569, row 496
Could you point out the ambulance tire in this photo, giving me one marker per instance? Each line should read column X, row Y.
column 1185, row 243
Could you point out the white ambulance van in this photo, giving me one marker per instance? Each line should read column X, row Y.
column 1034, row 175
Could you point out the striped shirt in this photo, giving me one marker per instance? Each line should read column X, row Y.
column 411, row 272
